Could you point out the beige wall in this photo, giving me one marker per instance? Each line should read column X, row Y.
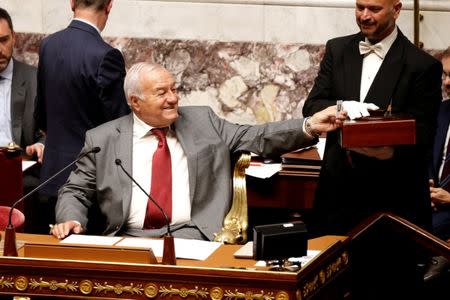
column 284, row 21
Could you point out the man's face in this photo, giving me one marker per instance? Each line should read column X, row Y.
column 7, row 40
column 376, row 18
column 446, row 65
column 159, row 108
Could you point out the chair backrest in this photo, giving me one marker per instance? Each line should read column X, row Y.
column 235, row 224
column 18, row 218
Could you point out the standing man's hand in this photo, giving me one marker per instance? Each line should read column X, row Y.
column 37, row 149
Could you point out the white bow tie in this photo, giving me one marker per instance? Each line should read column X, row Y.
column 365, row 48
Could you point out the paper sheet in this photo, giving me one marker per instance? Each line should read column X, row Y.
column 26, row 164
column 184, row 248
column 91, row 240
column 262, row 170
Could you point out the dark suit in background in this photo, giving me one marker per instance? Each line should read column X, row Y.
column 351, row 189
column 24, row 129
column 80, row 86
column 441, row 216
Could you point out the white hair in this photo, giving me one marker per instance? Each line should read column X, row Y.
column 132, row 84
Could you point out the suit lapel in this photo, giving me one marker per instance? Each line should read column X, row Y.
column 123, row 151
column 186, row 139
column 352, row 69
column 17, row 103
column 382, row 89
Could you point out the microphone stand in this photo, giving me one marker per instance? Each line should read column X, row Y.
column 169, row 257
column 10, row 247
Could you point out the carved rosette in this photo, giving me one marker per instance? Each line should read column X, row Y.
column 21, row 283
column 216, row 293
column 151, row 290
column 282, row 295
column 323, row 276
column 86, row 287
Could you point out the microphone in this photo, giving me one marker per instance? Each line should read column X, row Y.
column 10, row 248
column 169, row 247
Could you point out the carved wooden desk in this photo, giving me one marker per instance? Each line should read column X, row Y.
column 221, row 276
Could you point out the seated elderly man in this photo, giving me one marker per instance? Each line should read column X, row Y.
column 179, row 155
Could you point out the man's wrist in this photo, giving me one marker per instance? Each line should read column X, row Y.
column 308, row 128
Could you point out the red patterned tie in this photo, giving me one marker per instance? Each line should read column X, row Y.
column 161, row 189
column 445, row 176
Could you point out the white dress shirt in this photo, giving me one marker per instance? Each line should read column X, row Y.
column 372, row 63
column 144, row 145
column 5, row 105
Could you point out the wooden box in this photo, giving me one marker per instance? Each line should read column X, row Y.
column 378, row 131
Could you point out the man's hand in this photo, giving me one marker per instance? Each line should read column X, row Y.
column 381, row 153
column 439, row 196
column 357, row 109
column 37, row 149
column 62, row 230
column 326, row 120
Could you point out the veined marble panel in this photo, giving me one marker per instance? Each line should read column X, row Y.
column 244, row 82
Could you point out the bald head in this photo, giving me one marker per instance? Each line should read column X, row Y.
column 376, row 18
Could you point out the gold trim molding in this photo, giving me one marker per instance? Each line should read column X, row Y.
column 324, row 275
column 230, row 295
column 150, row 290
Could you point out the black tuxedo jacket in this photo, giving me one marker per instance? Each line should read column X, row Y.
column 80, row 86
column 351, row 186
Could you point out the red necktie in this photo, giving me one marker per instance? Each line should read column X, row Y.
column 445, row 176
column 161, row 189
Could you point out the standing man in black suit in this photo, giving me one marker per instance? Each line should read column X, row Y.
column 378, row 65
column 80, row 86
column 440, row 164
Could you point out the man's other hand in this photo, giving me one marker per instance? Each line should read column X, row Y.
column 62, row 230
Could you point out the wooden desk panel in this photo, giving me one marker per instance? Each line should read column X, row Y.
column 280, row 191
column 189, row 279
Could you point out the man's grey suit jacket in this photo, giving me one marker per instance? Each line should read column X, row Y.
column 23, row 94
column 207, row 141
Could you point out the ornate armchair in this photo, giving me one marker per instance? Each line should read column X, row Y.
column 235, row 224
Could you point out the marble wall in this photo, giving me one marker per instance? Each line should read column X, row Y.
column 251, row 63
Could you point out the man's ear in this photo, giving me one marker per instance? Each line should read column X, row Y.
column 108, row 7
column 134, row 103
column 72, row 5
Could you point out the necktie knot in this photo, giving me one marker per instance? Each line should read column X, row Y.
column 365, row 48
column 160, row 133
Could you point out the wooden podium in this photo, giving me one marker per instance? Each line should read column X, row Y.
column 220, row 277
column 388, row 254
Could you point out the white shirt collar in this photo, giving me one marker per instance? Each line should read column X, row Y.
column 140, row 128
column 89, row 23
column 387, row 42
column 7, row 73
